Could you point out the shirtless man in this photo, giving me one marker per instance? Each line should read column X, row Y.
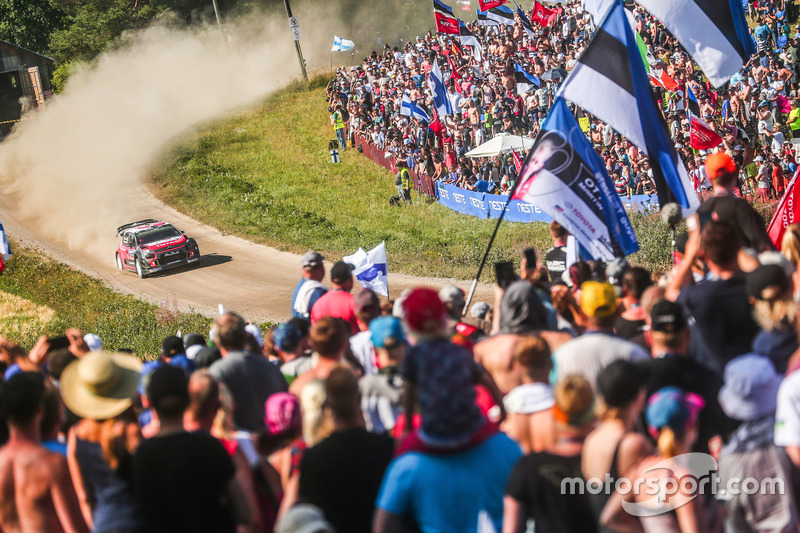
column 36, row 492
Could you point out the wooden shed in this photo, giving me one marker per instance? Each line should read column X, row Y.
column 24, row 82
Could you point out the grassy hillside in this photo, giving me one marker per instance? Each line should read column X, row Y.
column 39, row 296
column 266, row 175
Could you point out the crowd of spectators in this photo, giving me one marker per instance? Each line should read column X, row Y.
column 757, row 114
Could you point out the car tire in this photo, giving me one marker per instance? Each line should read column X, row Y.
column 119, row 262
column 140, row 269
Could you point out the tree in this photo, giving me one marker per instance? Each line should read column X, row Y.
column 29, row 23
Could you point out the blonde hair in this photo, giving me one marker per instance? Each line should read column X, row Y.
column 574, row 401
column 668, row 442
column 316, row 422
column 790, row 244
column 774, row 314
column 224, row 426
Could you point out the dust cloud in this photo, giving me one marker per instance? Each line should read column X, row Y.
column 72, row 169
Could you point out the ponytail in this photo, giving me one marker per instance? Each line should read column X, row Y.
column 667, row 444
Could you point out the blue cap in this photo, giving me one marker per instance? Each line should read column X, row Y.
column 144, row 375
column 387, row 332
column 286, row 337
column 673, row 408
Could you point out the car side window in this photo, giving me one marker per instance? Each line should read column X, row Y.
column 127, row 240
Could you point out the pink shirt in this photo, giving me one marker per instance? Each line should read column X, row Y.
column 338, row 304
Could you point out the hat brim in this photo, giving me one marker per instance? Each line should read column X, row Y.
column 87, row 404
column 738, row 407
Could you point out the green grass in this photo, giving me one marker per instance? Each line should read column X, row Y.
column 68, row 298
column 266, row 175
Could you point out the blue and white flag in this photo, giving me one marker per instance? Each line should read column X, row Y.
column 410, row 108
column 500, row 14
column 342, row 45
column 370, row 269
column 565, row 178
column 526, row 22
column 436, row 85
column 525, row 82
column 609, row 81
column 714, row 32
column 5, row 249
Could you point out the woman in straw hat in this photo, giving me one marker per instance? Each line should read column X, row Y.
column 100, row 387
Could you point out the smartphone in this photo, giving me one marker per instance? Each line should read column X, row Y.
column 504, row 273
column 57, row 343
column 530, row 257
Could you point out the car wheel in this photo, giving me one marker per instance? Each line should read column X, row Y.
column 140, row 269
column 119, row 262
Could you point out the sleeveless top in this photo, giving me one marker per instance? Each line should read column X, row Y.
column 110, row 491
column 598, row 501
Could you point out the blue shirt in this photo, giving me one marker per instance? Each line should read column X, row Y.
column 445, row 493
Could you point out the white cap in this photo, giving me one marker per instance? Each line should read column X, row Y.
column 93, row 341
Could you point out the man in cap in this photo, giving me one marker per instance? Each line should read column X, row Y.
column 382, row 393
column 590, row 353
column 724, row 205
column 338, row 302
column 310, row 288
column 368, row 308
column 35, row 487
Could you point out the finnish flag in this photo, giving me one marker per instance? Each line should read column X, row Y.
column 370, row 269
column 410, row 108
column 436, row 84
column 342, row 45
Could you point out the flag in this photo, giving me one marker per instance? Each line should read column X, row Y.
column 787, row 213
column 436, row 85
column 502, row 15
column 370, row 269
column 410, row 108
column 468, row 38
column 597, row 9
column 454, row 75
column 342, row 45
column 701, row 136
column 542, row 15
column 464, row 5
column 5, row 249
column 660, row 78
column 714, row 32
column 526, row 23
column 446, row 22
column 691, row 102
column 517, row 161
column 484, row 20
column 525, row 82
column 565, row 178
column 489, row 4
column 609, row 82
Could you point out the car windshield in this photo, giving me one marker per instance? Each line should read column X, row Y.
column 157, row 235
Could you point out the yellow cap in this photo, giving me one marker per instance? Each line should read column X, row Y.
column 598, row 299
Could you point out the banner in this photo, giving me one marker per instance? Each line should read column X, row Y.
column 489, row 4
column 542, row 15
column 788, row 212
column 701, row 136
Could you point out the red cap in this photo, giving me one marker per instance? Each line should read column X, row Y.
column 718, row 165
column 424, row 312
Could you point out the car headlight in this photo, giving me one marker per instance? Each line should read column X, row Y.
column 150, row 256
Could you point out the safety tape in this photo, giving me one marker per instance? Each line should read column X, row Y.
column 7, row 121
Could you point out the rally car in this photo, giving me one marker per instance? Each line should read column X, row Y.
column 149, row 246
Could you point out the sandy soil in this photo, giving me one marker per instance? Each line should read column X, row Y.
column 254, row 280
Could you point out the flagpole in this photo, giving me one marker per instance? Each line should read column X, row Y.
column 489, row 246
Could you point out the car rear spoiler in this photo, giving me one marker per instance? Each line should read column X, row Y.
column 134, row 224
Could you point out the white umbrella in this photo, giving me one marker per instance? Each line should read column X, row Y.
column 503, row 143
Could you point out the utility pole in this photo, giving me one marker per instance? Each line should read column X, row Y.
column 219, row 23
column 296, row 34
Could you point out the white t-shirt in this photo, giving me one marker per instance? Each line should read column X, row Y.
column 529, row 398
column 364, row 351
column 787, row 414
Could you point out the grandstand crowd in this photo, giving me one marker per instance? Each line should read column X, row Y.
column 757, row 114
column 585, row 397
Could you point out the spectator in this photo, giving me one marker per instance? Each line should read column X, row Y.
column 310, row 288
column 329, row 342
column 287, row 341
column 770, row 293
column 382, row 393
column 338, row 302
column 368, row 308
column 556, row 257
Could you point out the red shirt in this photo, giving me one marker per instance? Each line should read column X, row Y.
column 338, row 304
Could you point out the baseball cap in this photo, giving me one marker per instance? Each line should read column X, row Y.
column 192, row 339
column 311, row 259
column 167, row 382
column 719, row 164
column 616, row 268
column 282, row 413
column 341, row 272
column 452, row 295
column 620, row 382
column 673, row 408
column 387, row 332
column 667, row 317
column 479, row 310
column 367, row 301
column 423, row 311
column 758, row 159
column 766, row 276
column 303, row 518
column 598, row 299
column 93, row 341
column 171, row 345
column 286, row 337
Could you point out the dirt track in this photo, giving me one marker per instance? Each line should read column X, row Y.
column 254, row 280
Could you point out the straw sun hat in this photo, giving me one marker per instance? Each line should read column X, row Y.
column 100, row 385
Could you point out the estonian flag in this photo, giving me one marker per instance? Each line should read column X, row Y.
column 436, row 85
column 526, row 23
column 714, row 32
column 446, row 22
column 410, row 108
column 691, row 102
column 484, row 20
column 468, row 38
column 525, row 81
column 501, row 14
column 609, row 81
